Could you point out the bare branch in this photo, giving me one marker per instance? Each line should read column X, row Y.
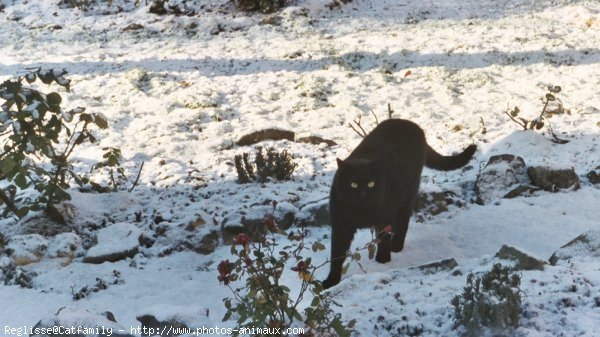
column 374, row 115
column 514, row 120
column 362, row 133
column 138, row 178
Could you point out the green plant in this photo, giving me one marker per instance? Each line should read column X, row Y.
column 38, row 136
column 552, row 105
column 272, row 164
column 492, row 300
column 263, row 300
column 112, row 161
column 264, row 6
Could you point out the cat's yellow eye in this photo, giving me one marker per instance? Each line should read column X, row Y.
column 371, row 184
column 354, row 185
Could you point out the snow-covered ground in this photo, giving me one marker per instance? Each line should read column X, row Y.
column 179, row 91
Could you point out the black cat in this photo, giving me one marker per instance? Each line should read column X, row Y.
column 377, row 186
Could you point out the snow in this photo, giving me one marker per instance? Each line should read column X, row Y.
column 27, row 248
column 180, row 92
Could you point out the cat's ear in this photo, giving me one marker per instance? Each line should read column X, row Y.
column 340, row 163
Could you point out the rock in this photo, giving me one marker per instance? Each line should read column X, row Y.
column 435, row 203
column 167, row 318
column 434, row 267
column 315, row 214
column 500, row 177
column 172, row 327
column 267, row 134
column 80, row 323
column 132, row 27
column 594, row 176
column 208, row 243
column 43, row 227
column 230, row 230
column 520, row 191
column 524, row 260
column 285, row 215
column 65, row 245
column 195, row 225
column 26, row 249
column 114, row 243
column 201, row 244
column 553, row 179
column 253, row 221
column 586, row 244
column 316, row 140
column 271, row 20
column 10, row 274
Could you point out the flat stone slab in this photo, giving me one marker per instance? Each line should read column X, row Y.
column 585, row 245
column 114, row 243
column 437, row 266
column 524, row 260
column 552, row 179
column 266, row 134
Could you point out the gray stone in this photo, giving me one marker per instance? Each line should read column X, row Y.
column 586, row 244
column 315, row 214
column 80, row 323
column 500, row 177
column 10, row 274
column 253, row 221
column 267, row 134
column 229, row 231
column 201, row 244
column 594, row 176
column 67, row 245
column 435, row 203
column 553, row 179
column 114, row 243
column 521, row 191
column 316, row 140
column 171, row 327
column 524, row 260
column 434, row 267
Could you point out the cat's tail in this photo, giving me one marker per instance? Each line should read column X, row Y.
column 436, row 161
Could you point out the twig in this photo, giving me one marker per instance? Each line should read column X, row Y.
column 555, row 138
column 137, row 178
column 362, row 133
column 374, row 115
column 482, row 127
column 390, row 111
column 524, row 125
column 544, row 109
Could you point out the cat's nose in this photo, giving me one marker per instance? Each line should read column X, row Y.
column 363, row 195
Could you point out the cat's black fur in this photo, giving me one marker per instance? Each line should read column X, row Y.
column 377, row 186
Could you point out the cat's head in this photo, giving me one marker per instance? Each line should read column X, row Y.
column 359, row 181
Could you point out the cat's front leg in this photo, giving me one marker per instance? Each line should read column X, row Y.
column 384, row 254
column 341, row 238
column 400, row 229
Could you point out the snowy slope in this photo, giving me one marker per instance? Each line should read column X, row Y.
column 181, row 90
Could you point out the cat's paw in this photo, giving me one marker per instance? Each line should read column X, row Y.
column 329, row 282
column 397, row 248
